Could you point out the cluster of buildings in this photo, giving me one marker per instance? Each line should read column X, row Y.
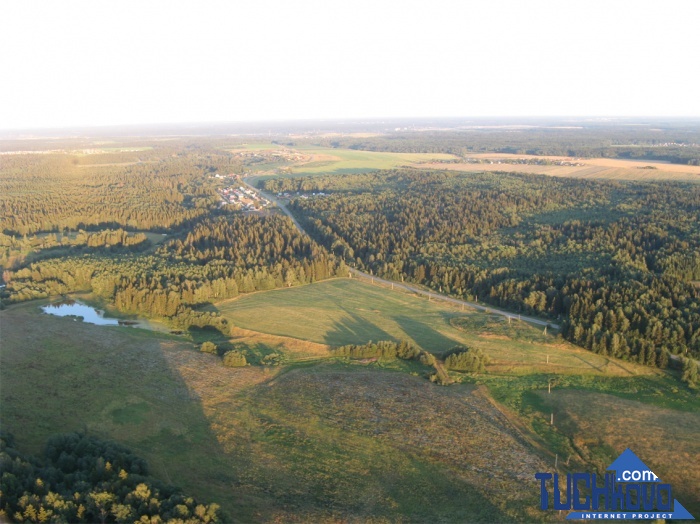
column 243, row 197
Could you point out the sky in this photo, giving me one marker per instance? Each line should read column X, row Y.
column 93, row 63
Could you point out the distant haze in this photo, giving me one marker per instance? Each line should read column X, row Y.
column 74, row 63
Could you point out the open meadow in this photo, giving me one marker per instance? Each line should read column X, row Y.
column 316, row 161
column 346, row 311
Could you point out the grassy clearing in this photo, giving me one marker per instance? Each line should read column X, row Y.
column 324, row 440
column 345, row 311
column 517, row 378
column 322, row 161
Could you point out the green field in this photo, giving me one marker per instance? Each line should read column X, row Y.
column 345, row 311
column 354, row 161
column 334, row 161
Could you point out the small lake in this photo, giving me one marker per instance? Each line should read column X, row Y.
column 76, row 309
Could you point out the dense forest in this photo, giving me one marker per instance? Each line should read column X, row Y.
column 83, row 479
column 155, row 190
column 614, row 261
column 218, row 258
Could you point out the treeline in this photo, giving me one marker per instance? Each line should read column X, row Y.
column 384, row 349
column 220, row 258
column 614, row 261
column 83, row 479
column 16, row 251
column 404, row 350
column 244, row 241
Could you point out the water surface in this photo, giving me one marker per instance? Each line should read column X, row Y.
column 76, row 309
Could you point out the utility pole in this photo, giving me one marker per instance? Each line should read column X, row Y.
column 547, row 359
column 551, row 419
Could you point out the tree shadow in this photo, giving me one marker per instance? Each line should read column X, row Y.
column 355, row 329
column 425, row 335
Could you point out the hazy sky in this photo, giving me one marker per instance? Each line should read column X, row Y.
column 120, row 62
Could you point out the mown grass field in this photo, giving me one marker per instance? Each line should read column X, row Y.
column 341, row 161
column 346, row 311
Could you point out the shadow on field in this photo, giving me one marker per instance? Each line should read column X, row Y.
column 114, row 383
column 425, row 335
column 354, row 330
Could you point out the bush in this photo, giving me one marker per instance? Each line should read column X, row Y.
column 234, row 359
column 384, row 349
column 208, row 347
column 468, row 360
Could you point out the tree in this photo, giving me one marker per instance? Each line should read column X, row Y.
column 469, row 360
column 690, row 371
column 208, row 347
column 234, row 359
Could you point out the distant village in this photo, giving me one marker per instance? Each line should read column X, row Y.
column 241, row 196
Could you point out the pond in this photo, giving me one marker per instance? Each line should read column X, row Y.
column 73, row 308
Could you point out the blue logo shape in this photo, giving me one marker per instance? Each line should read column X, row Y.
column 630, row 491
column 629, row 468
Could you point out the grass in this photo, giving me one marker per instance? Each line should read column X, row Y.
column 308, row 442
column 336, row 161
column 602, row 426
column 113, row 382
column 342, row 161
column 345, row 311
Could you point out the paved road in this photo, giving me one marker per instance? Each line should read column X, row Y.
column 409, row 287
